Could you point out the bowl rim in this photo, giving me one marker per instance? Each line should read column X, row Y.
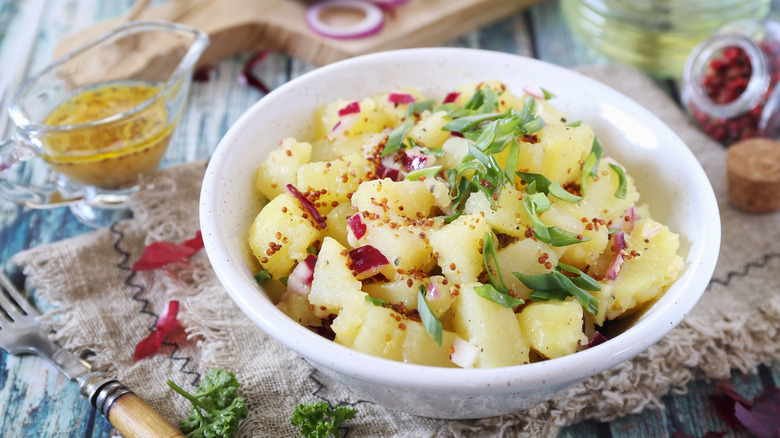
column 702, row 255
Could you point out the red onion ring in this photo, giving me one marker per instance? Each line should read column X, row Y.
column 371, row 24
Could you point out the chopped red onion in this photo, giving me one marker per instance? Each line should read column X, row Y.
column 308, row 206
column 384, row 172
column 357, row 226
column 351, row 108
column 619, row 240
column 400, row 98
column 652, row 231
column 367, row 261
column 451, row 97
column 299, row 281
column 433, row 291
column 596, row 339
column 345, row 123
column 534, row 90
column 464, row 354
column 414, row 159
column 371, row 23
column 248, row 77
column 630, row 213
column 389, row 168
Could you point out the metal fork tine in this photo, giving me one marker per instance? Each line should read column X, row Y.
column 20, row 301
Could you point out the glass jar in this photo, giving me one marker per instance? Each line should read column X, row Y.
column 654, row 35
column 728, row 84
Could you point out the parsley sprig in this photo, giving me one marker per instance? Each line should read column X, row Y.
column 320, row 419
column 217, row 408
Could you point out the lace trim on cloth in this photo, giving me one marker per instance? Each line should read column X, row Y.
column 104, row 308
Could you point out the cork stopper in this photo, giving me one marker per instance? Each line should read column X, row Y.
column 753, row 175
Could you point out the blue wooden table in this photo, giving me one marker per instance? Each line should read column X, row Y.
column 36, row 401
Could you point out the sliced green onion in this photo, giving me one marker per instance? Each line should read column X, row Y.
column 489, row 252
column 547, row 295
column 428, row 172
column 511, row 163
column 418, row 107
column 582, row 279
column 560, row 193
column 553, row 282
column 547, row 95
column 263, row 276
column 429, row 320
column 622, row 186
column 488, row 292
column 575, row 124
column 469, row 122
column 540, row 182
column 283, row 280
column 560, row 237
column 375, row 301
column 396, row 138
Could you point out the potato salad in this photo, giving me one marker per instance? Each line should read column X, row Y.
column 479, row 229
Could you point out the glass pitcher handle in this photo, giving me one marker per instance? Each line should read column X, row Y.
column 14, row 155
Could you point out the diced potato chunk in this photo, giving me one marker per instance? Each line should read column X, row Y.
column 427, row 132
column 336, row 223
column 478, row 320
column 297, row 307
column 280, row 235
column 458, row 247
column 382, row 333
column 644, row 277
column 554, row 328
column 509, row 218
column 579, row 255
column 405, row 246
column 394, row 292
column 411, row 199
column 333, row 284
column 332, row 181
column 601, row 193
column 420, row 348
column 524, row 257
column 281, row 167
column 370, row 119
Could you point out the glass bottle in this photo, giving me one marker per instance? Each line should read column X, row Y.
column 728, row 83
column 654, row 35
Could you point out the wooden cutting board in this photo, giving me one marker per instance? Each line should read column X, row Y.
column 236, row 26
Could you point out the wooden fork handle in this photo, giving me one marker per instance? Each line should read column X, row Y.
column 127, row 412
column 133, row 418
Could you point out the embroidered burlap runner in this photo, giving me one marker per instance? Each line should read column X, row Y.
column 104, row 307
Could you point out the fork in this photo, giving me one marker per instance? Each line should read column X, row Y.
column 20, row 332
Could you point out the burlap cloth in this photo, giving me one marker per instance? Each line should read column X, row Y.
column 104, row 307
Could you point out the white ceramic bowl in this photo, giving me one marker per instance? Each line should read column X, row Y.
column 667, row 175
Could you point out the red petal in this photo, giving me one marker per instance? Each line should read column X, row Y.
column 166, row 322
column 196, row 242
column 159, row 254
column 763, row 420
